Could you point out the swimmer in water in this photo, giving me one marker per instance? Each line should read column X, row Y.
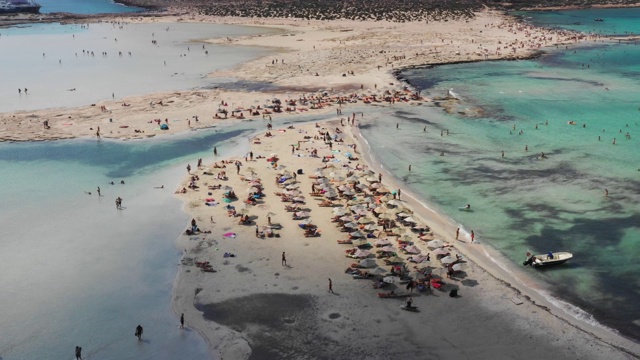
column 468, row 207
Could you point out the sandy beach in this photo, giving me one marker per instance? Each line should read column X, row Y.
column 315, row 58
column 254, row 307
column 250, row 304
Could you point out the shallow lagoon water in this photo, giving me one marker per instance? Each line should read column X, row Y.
column 526, row 202
column 64, row 65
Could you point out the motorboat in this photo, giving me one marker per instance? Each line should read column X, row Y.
column 547, row 260
column 18, row 6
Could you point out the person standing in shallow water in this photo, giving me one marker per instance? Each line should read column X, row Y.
column 182, row 321
column 78, row 353
column 138, row 332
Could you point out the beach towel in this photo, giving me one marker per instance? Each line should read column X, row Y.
column 230, row 235
column 211, row 203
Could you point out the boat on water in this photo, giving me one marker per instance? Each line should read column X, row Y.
column 547, row 260
column 19, row 6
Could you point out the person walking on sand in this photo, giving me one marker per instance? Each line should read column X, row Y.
column 182, row 321
column 118, row 203
column 284, row 259
column 473, row 236
column 215, row 151
column 138, row 332
column 331, row 286
column 189, row 168
column 457, row 233
column 99, row 191
column 78, row 353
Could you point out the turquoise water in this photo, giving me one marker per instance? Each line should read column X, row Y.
column 85, row 6
column 623, row 21
column 524, row 201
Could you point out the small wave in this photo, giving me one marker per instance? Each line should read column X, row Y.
column 574, row 311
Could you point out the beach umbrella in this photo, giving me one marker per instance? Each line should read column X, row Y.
column 346, row 218
column 394, row 202
column 352, row 202
column 361, row 212
column 372, row 227
column 388, row 248
column 460, row 267
column 385, row 198
column 330, row 194
column 376, row 185
column 349, row 192
column 369, row 172
column 382, row 190
column 292, row 187
column 362, row 244
column 412, row 249
column 252, row 190
column 298, row 199
column 391, row 279
column 395, row 260
column 371, row 179
column 270, row 214
column 441, row 251
column 364, row 220
column 362, row 253
column 361, row 186
column 367, row 263
column 339, row 178
column 353, row 179
column 293, row 192
column 382, row 242
column 340, row 211
column 403, row 215
column 302, row 214
column 351, row 225
column 343, row 188
column 305, row 222
column 434, row 244
column 358, row 234
column 378, row 271
column 358, row 207
column 409, row 220
column 448, row 259
column 419, row 228
column 386, row 216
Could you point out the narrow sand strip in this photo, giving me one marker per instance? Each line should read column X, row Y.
column 254, row 306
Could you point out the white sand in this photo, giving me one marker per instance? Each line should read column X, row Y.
column 490, row 317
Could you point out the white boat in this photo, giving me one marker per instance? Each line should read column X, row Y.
column 548, row 259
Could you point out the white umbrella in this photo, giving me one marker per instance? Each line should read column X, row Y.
column 331, row 194
column 378, row 271
column 382, row 242
column 346, row 218
column 372, row 179
column 396, row 260
column 358, row 234
column 448, row 260
column 343, row 188
column 349, row 192
column 434, row 244
column 390, row 279
column 441, row 251
column 376, row 185
column 371, row 227
column 362, row 253
column 340, row 211
column 409, row 220
column 302, row 214
column 412, row 249
column 298, row 199
column 368, row 263
column 382, row 190
column 394, row 202
column 460, row 267
column 361, row 186
column 351, row 225
column 358, row 207
column 292, row 187
column 361, row 212
column 364, row 220
column 352, row 179
column 403, row 215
